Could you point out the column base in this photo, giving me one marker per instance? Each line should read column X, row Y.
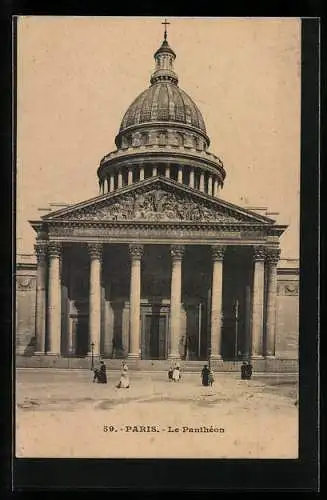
column 257, row 356
column 58, row 354
column 215, row 357
column 270, row 356
column 94, row 354
column 133, row 355
column 172, row 356
column 39, row 353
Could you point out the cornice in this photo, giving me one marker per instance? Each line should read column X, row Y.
column 159, row 225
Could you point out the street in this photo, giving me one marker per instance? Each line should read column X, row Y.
column 61, row 413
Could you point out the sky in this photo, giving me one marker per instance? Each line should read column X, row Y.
column 76, row 77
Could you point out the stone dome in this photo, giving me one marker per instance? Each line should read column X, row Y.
column 162, row 134
column 163, row 101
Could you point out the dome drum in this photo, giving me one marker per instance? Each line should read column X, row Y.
column 163, row 133
column 126, row 174
column 133, row 167
column 181, row 156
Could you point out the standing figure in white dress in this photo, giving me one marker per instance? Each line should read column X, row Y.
column 124, row 378
column 176, row 373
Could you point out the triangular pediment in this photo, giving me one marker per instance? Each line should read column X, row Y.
column 157, row 199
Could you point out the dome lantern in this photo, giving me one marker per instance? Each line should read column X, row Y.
column 164, row 58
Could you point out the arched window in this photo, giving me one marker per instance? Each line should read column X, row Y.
column 162, row 138
column 144, row 139
column 180, row 139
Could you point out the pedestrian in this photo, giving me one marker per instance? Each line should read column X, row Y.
column 211, row 378
column 246, row 370
column 176, row 376
column 205, row 373
column 249, row 370
column 124, row 378
column 100, row 374
column 170, row 373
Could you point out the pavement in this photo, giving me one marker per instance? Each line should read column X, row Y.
column 62, row 414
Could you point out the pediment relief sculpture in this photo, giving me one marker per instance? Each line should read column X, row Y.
column 154, row 205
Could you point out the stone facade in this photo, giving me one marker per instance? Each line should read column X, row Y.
column 158, row 266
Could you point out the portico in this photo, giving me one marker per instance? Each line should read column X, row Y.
column 170, row 293
column 158, row 266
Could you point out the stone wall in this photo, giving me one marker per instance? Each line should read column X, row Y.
column 25, row 308
column 287, row 326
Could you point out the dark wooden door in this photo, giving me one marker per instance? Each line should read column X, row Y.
column 81, row 335
column 154, row 336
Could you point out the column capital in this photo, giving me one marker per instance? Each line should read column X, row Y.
column 177, row 252
column 54, row 249
column 95, row 250
column 135, row 251
column 41, row 249
column 218, row 252
column 259, row 252
column 272, row 256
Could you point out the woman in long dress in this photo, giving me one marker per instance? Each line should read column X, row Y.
column 124, row 378
column 205, row 373
column 176, row 374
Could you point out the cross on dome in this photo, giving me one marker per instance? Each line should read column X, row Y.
column 165, row 33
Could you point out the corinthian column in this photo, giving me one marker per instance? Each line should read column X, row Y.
column 201, row 182
column 180, row 174
column 272, row 257
column 112, row 183
column 177, row 252
column 218, row 252
column 54, row 299
column 130, row 176
column 135, row 252
column 95, row 253
column 120, row 179
column 258, row 301
column 191, row 180
column 210, row 185
column 215, row 188
column 40, row 305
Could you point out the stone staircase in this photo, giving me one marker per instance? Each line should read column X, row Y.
column 276, row 365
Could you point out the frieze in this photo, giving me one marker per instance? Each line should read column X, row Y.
column 288, row 288
column 66, row 228
column 154, row 205
column 105, row 232
column 25, row 283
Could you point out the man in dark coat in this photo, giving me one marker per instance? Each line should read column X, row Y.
column 246, row 370
column 205, row 373
column 100, row 374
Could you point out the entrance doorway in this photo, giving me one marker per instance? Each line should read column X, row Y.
column 154, row 336
column 80, row 335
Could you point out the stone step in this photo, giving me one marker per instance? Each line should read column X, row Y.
column 260, row 365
